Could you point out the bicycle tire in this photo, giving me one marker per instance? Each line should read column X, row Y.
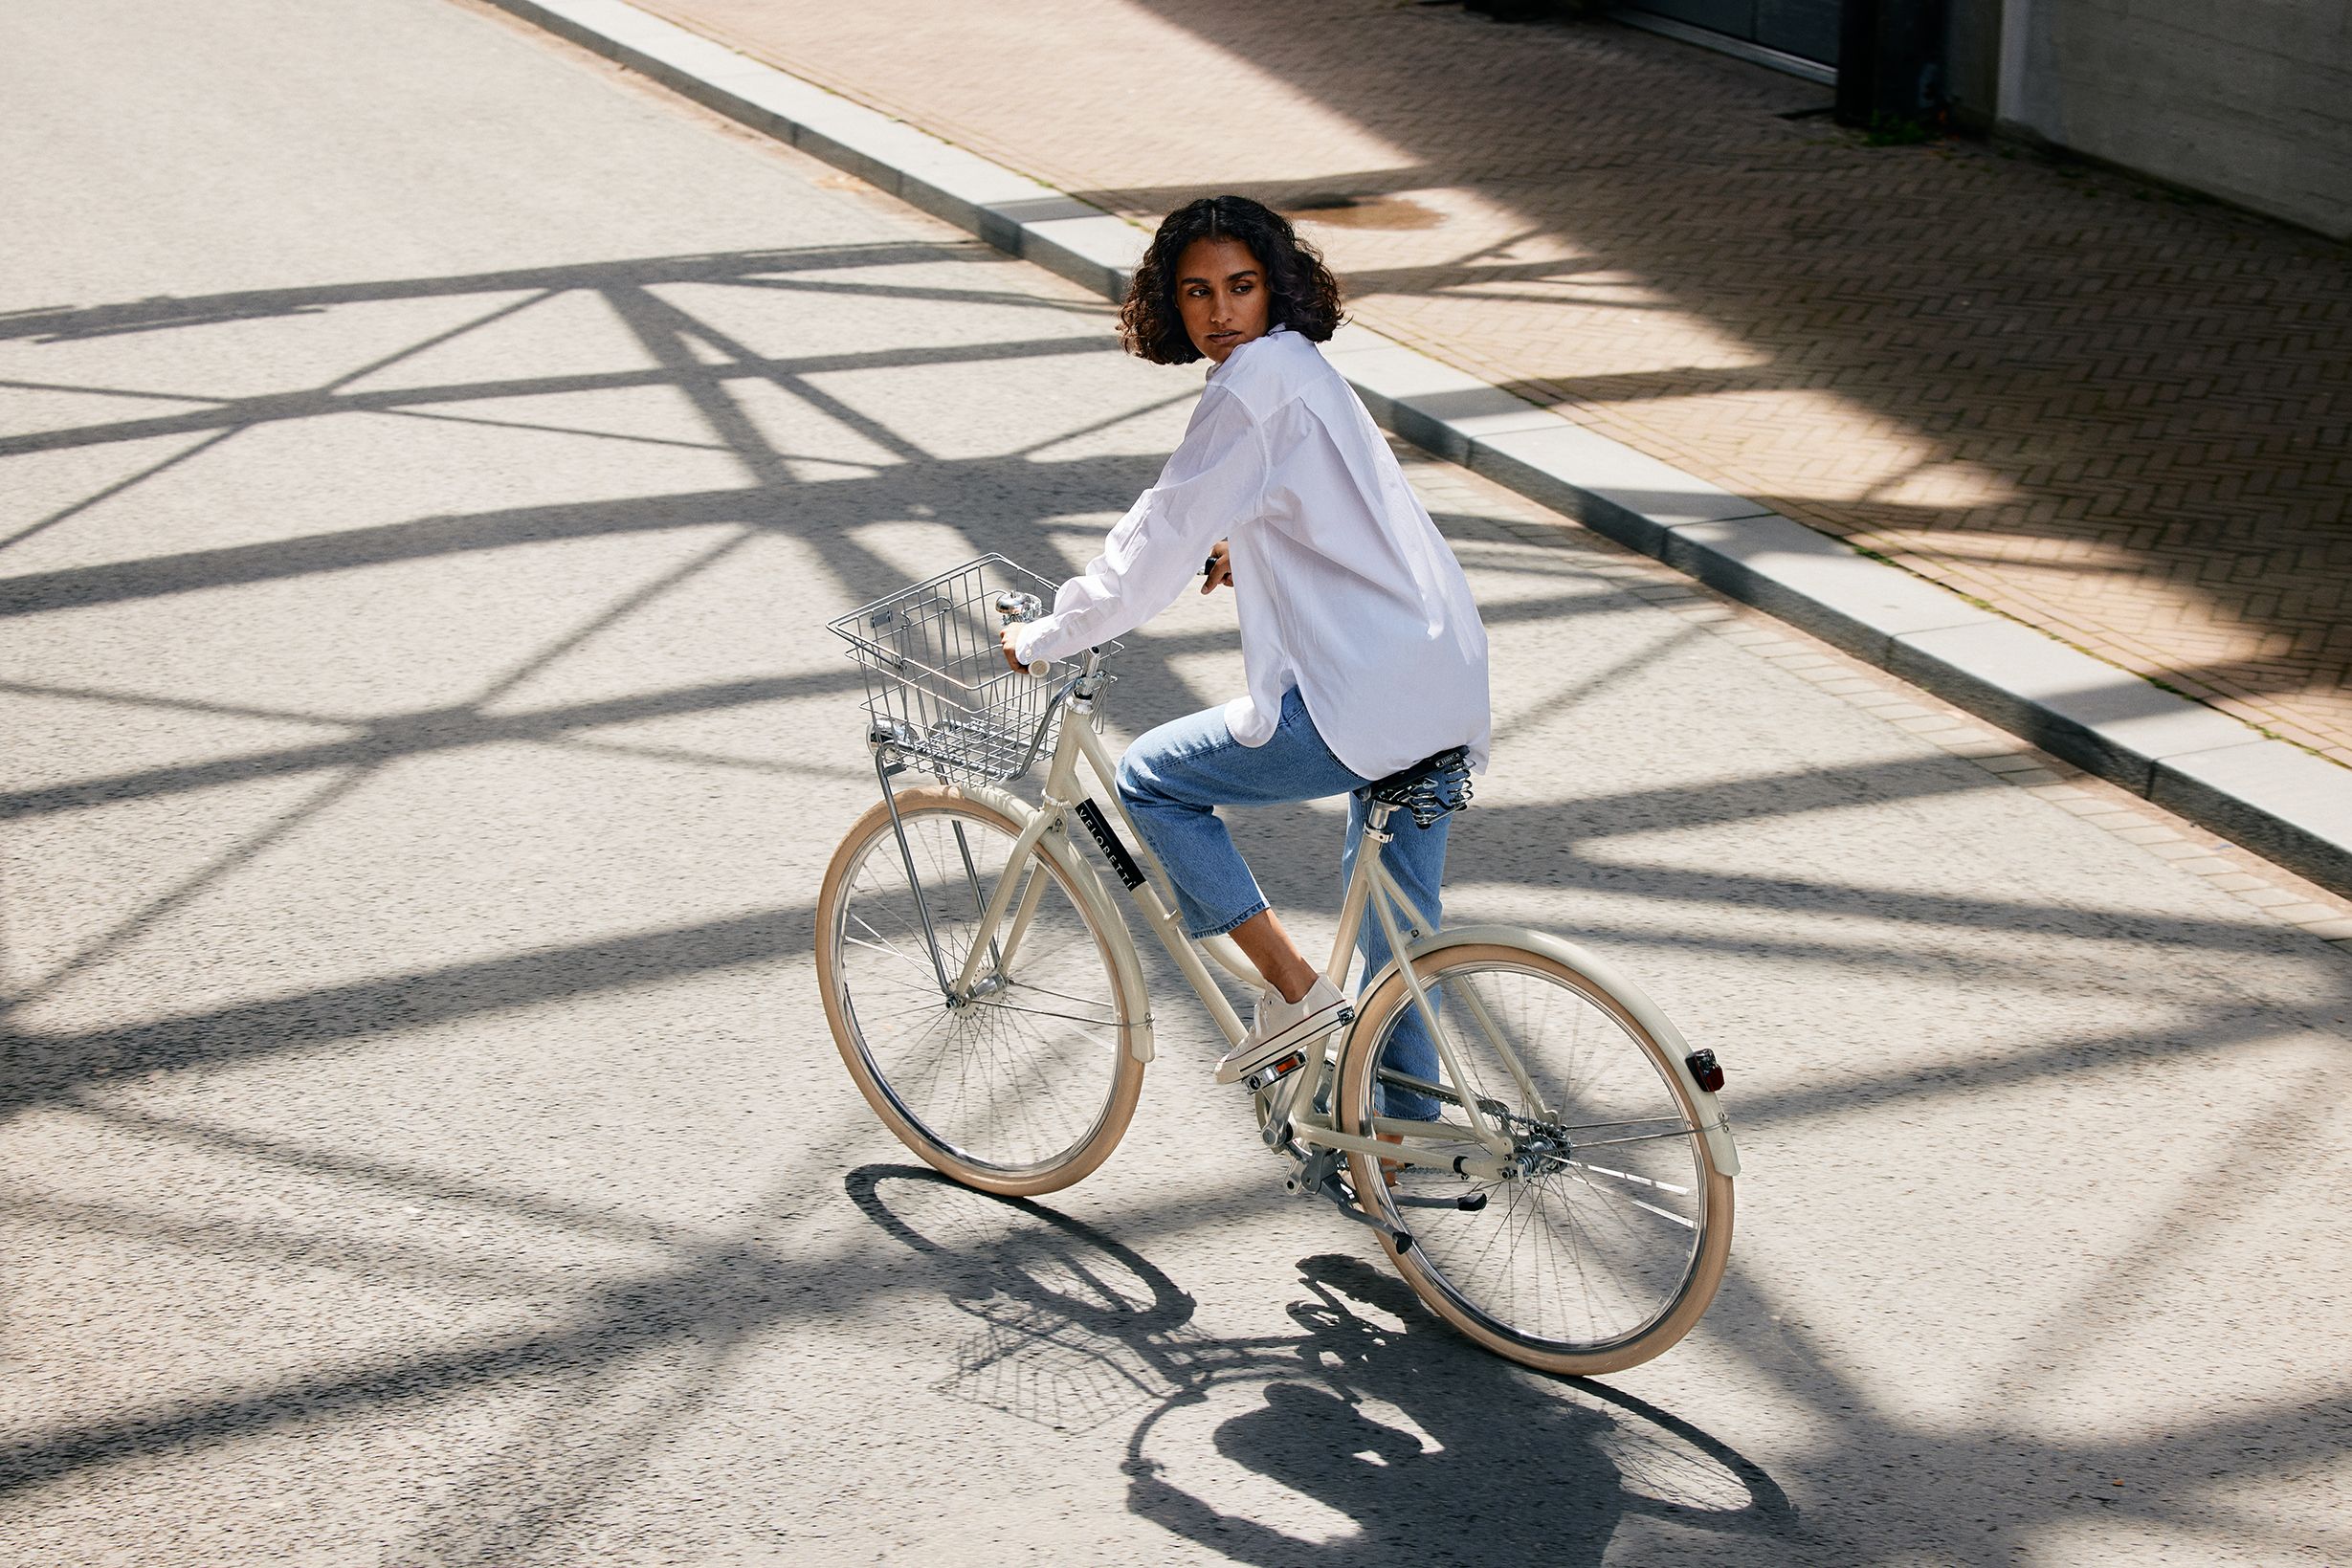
column 1006, row 1096
column 1640, row 1236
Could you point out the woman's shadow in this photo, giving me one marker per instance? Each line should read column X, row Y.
column 1375, row 1429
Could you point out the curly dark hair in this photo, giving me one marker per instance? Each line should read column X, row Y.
column 1303, row 295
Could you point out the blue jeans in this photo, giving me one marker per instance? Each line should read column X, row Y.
column 1173, row 779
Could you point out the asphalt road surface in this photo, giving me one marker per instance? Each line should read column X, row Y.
column 426, row 461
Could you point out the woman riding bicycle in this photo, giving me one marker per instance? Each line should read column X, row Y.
column 1362, row 647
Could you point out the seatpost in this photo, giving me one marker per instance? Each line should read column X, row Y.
column 1355, row 905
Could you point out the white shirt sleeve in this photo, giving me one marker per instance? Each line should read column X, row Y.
column 1214, row 481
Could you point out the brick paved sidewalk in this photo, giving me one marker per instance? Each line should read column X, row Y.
column 2113, row 415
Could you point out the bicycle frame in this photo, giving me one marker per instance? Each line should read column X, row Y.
column 1372, row 890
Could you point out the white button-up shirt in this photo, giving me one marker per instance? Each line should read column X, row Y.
column 1343, row 586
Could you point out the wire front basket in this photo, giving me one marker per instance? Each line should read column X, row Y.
column 938, row 689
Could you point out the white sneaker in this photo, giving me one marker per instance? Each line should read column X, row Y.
column 1279, row 1027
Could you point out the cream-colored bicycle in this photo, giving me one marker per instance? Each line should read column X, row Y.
column 1569, row 1206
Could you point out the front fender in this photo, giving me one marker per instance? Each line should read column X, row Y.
column 1714, row 1124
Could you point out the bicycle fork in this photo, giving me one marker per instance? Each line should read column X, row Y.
column 999, row 952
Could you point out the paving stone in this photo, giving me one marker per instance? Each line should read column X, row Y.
column 2064, row 701
column 1609, row 487
column 1419, row 398
column 2277, row 800
column 1817, row 583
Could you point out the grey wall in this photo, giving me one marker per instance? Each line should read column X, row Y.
column 2247, row 100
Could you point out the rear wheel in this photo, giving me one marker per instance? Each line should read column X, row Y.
column 1609, row 1247
column 1028, row 1085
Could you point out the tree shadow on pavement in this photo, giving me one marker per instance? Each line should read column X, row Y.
column 1374, row 1412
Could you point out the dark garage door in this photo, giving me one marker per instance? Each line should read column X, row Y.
column 1807, row 29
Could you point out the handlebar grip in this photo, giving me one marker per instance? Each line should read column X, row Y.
column 1039, row 667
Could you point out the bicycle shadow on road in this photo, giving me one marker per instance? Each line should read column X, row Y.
column 1373, row 1429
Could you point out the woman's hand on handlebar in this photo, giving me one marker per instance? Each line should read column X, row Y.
column 1006, row 640
column 1217, row 571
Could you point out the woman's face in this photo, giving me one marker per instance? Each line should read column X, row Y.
column 1221, row 293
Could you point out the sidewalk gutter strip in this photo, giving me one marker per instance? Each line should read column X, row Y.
column 2275, row 799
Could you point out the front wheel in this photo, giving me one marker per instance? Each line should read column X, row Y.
column 1608, row 1246
column 1026, row 1084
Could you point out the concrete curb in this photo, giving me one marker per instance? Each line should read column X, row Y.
column 2271, row 797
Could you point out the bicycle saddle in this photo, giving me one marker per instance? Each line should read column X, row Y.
column 1430, row 789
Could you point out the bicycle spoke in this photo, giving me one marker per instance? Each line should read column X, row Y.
column 1636, row 1137
column 881, row 946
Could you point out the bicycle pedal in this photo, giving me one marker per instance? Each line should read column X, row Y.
column 1274, row 1072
